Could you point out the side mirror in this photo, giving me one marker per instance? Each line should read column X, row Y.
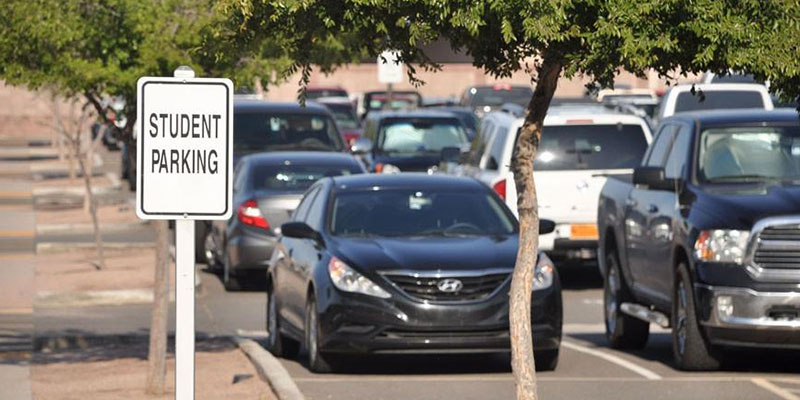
column 361, row 146
column 451, row 154
column 300, row 230
column 652, row 177
column 546, row 226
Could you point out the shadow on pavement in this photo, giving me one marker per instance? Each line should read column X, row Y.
column 579, row 276
column 252, row 282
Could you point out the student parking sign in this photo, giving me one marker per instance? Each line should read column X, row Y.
column 184, row 148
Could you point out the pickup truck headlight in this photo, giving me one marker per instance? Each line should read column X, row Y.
column 543, row 274
column 348, row 280
column 721, row 245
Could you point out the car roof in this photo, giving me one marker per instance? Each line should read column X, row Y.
column 418, row 113
column 277, row 107
column 730, row 87
column 737, row 116
column 591, row 113
column 421, row 181
column 300, row 158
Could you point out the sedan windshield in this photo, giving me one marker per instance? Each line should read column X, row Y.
column 410, row 212
column 269, row 132
column 571, row 147
column 415, row 136
column 296, row 177
column 746, row 154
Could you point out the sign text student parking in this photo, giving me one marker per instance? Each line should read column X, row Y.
column 184, row 148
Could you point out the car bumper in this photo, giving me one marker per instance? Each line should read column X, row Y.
column 745, row 317
column 352, row 323
column 251, row 251
column 560, row 246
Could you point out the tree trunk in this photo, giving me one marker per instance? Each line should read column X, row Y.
column 522, row 360
column 157, row 355
column 98, row 239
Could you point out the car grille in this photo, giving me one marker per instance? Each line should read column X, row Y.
column 405, row 334
column 473, row 287
column 778, row 250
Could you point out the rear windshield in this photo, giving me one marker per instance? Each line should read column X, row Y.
column 296, row 177
column 488, row 96
column 270, row 132
column 718, row 100
column 417, row 136
column 571, row 147
column 412, row 212
column 312, row 94
column 344, row 115
column 400, row 101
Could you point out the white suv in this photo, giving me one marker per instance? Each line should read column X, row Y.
column 581, row 144
column 714, row 96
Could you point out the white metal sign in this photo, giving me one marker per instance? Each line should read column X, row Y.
column 390, row 69
column 184, row 148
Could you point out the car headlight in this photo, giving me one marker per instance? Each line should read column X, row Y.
column 348, row 280
column 543, row 274
column 721, row 245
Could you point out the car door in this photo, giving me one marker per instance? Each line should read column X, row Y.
column 285, row 285
column 639, row 207
column 664, row 216
column 308, row 252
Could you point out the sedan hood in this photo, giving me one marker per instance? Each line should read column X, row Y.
column 427, row 253
column 740, row 206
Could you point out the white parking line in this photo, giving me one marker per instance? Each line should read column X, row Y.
column 774, row 389
column 252, row 334
column 612, row 359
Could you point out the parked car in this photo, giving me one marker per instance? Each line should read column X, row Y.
column 408, row 263
column 581, row 145
column 487, row 98
column 713, row 96
column 410, row 141
column 376, row 101
column 315, row 92
column 262, row 126
column 345, row 116
column 266, row 189
column 704, row 237
column 467, row 117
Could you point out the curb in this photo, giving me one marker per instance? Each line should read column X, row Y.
column 270, row 370
column 84, row 227
column 93, row 298
column 54, row 342
column 62, row 247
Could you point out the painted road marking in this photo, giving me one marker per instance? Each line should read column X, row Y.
column 16, row 233
column 509, row 378
column 774, row 389
column 255, row 334
column 16, row 311
column 613, row 359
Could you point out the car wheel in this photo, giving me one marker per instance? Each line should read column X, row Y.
column 689, row 347
column 317, row 361
column 229, row 280
column 211, row 250
column 546, row 360
column 201, row 231
column 277, row 344
column 622, row 331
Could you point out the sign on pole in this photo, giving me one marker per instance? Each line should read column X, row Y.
column 390, row 69
column 184, row 148
column 184, row 162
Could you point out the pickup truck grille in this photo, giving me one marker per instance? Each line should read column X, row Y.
column 472, row 287
column 778, row 251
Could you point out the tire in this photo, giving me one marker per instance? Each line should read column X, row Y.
column 622, row 331
column 690, row 348
column 229, row 280
column 201, row 230
column 277, row 344
column 317, row 361
column 210, row 255
column 546, row 360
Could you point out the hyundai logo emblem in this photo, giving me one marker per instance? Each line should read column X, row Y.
column 449, row 285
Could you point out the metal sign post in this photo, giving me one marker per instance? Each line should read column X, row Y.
column 390, row 71
column 184, row 161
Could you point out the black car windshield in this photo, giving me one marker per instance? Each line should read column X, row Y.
column 571, row 147
column 497, row 96
column 746, row 154
column 271, row 131
column 718, row 100
column 413, row 212
column 296, row 177
column 312, row 94
column 399, row 102
column 415, row 136
column 344, row 115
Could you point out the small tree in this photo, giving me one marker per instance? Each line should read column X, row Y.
column 595, row 39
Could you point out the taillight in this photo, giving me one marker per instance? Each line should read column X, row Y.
column 351, row 137
column 500, row 188
column 249, row 214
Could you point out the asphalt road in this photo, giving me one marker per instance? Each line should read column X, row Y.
column 587, row 367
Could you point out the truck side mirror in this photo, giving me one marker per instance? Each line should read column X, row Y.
column 653, row 177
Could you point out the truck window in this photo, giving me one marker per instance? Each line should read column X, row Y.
column 679, row 153
column 660, row 147
column 718, row 99
column 595, row 146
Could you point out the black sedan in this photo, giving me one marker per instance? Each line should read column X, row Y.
column 266, row 189
column 406, row 263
